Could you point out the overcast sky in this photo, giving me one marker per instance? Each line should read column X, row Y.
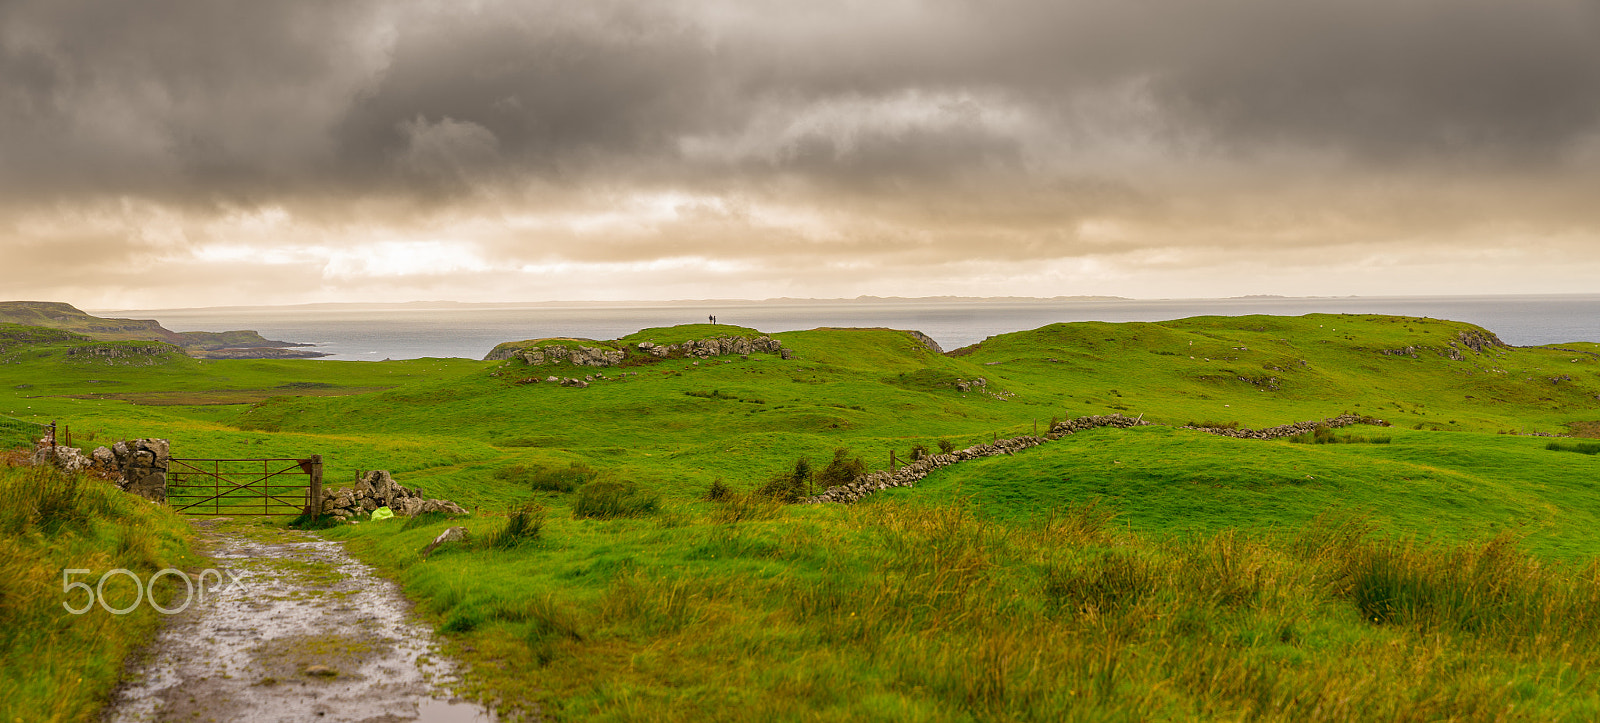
column 218, row 152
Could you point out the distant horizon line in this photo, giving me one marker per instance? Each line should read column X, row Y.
column 866, row 298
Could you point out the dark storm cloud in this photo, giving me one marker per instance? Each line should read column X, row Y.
column 461, row 142
column 197, row 98
column 171, row 98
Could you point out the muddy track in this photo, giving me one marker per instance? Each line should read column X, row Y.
column 307, row 633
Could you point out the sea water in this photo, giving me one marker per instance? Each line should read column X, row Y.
column 412, row 331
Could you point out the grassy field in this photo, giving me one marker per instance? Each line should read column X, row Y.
column 1148, row 573
column 55, row 665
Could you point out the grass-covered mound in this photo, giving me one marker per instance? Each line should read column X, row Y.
column 55, row 665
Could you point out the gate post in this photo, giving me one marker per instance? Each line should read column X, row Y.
column 316, row 486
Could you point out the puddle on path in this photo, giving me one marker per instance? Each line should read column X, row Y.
column 309, row 634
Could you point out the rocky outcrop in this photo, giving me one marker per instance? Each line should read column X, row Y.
column 1289, row 430
column 1478, row 340
column 262, row 352
column 378, row 489
column 584, row 356
column 707, row 348
column 913, row 472
column 925, row 340
column 127, row 353
column 597, row 356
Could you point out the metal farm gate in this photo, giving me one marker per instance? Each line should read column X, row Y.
column 245, row 486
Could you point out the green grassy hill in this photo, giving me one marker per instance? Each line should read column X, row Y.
column 1147, row 573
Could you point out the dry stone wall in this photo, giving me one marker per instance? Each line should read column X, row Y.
column 915, row 471
column 378, row 489
column 140, row 466
column 1290, row 430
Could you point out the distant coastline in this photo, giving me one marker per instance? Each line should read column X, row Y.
column 443, row 304
column 375, row 331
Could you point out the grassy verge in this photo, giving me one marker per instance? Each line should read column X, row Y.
column 899, row 611
column 54, row 665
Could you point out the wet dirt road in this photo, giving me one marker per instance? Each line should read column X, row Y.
column 296, row 631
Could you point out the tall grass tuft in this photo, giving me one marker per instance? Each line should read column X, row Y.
column 1579, row 447
column 523, row 526
column 548, row 479
column 737, row 507
column 606, row 499
column 45, row 498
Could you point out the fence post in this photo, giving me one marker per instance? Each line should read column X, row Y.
column 891, row 461
column 316, row 486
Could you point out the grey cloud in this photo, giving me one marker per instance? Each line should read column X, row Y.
column 261, row 100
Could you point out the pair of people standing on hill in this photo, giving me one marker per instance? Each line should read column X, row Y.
column 713, row 319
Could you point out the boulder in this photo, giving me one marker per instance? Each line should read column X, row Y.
column 454, row 534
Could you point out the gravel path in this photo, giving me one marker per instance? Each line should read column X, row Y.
column 309, row 634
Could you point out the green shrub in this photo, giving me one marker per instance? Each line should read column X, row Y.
column 789, row 487
column 842, row 470
column 946, row 446
column 605, row 499
column 918, row 451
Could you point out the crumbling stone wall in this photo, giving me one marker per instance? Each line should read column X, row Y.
column 378, row 489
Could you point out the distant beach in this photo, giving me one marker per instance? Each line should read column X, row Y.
column 416, row 330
